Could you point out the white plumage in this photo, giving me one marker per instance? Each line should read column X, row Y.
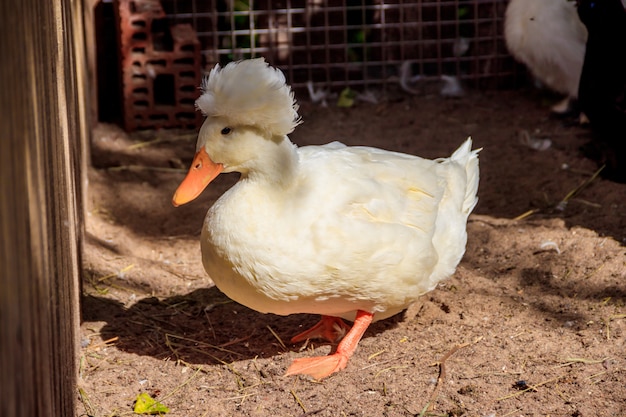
column 354, row 228
column 549, row 38
column 352, row 232
column 252, row 94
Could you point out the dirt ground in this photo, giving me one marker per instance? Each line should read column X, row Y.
column 533, row 323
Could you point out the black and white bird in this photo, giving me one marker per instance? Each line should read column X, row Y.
column 602, row 89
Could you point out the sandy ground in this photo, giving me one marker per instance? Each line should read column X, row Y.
column 533, row 322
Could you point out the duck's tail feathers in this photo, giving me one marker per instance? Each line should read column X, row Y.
column 468, row 158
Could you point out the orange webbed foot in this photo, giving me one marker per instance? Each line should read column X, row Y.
column 318, row 367
column 323, row 366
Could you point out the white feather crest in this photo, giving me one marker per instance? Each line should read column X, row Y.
column 250, row 92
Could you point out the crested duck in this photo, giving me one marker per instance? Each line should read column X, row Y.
column 549, row 38
column 357, row 233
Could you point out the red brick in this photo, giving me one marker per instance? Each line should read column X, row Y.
column 160, row 67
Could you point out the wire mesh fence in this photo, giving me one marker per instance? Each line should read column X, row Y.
column 357, row 43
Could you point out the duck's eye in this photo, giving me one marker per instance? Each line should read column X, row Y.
column 226, row 130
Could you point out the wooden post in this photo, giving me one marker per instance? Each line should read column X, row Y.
column 42, row 137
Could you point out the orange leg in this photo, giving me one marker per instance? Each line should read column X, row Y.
column 322, row 366
column 329, row 328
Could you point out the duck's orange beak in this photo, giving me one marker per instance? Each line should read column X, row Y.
column 203, row 170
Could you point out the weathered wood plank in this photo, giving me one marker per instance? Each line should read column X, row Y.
column 41, row 154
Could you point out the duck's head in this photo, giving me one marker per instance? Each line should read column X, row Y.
column 249, row 109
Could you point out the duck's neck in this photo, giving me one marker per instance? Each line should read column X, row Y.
column 279, row 166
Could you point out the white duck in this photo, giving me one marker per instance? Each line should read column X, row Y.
column 549, row 38
column 352, row 232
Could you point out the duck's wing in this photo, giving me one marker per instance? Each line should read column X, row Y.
column 377, row 213
column 376, row 186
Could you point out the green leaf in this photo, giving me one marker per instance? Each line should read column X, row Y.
column 145, row 404
column 346, row 98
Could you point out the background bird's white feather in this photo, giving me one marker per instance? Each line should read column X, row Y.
column 549, row 38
